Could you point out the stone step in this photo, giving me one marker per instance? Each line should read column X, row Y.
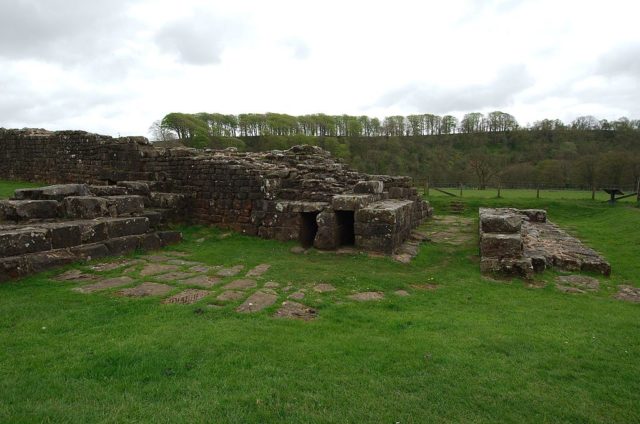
column 55, row 192
column 39, row 237
column 23, row 210
column 88, row 207
column 21, row 265
column 159, row 217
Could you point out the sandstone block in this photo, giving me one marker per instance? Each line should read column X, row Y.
column 500, row 223
column 369, row 187
column 86, row 207
column 501, row 245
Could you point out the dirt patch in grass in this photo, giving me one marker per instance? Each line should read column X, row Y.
column 295, row 310
column 628, row 293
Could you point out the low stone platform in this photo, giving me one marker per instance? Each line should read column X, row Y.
column 50, row 226
column 520, row 242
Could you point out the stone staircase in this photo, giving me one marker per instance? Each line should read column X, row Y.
column 55, row 225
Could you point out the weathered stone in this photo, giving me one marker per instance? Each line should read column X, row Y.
column 173, row 276
column 187, row 296
column 91, row 251
column 299, row 295
column 323, row 288
column 13, row 267
column 200, row 281
column 64, row 234
column 369, row 187
column 122, row 245
column 628, row 293
column 230, row 295
column 136, row 187
column 258, row 270
column 54, row 192
column 501, row 245
column 145, row 289
column 125, row 205
column 22, row 210
column 295, row 310
column 104, row 284
column 120, row 227
column 24, row 240
column 111, row 266
column 75, row 275
column 366, row 296
column 155, row 268
column 230, row 272
column 580, row 281
column 351, row 202
column 41, row 261
column 183, row 262
column 257, row 302
column 169, row 237
column 149, row 241
column 271, row 285
column 109, row 190
column 401, row 293
column 85, row 207
column 500, row 223
column 241, row 284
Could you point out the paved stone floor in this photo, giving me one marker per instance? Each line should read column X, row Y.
column 174, row 279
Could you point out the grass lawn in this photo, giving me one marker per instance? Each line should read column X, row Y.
column 7, row 187
column 472, row 350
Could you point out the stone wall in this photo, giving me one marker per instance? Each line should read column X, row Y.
column 277, row 194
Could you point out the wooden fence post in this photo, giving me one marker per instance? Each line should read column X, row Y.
column 460, row 189
column 426, row 186
column 537, row 192
column 499, row 187
column 593, row 192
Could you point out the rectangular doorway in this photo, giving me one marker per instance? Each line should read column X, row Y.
column 308, row 228
column 345, row 222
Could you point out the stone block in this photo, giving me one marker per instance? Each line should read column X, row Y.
column 501, row 245
column 93, row 231
column 90, row 251
column 535, row 215
column 136, row 187
column 64, row 234
column 369, row 187
column 514, row 267
column 12, row 268
column 54, row 192
column 22, row 210
column 42, row 261
column 120, row 227
column 351, row 202
column 386, row 211
column 24, row 240
column 107, row 190
column 122, row 245
column 86, row 207
column 149, row 241
column 327, row 236
column 500, row 223
column 125, row 205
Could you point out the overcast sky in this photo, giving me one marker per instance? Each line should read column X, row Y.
column 115, row 66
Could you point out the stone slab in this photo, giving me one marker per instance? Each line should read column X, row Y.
column 295, row 310
column 104, row 284
column 257, row 302
column 187, row 297
column 242, row 284
column 204, row 281
column 258, row 270
column 145, row 289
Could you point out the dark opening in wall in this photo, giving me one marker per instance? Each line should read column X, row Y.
column 308, row 228
column 345, row 221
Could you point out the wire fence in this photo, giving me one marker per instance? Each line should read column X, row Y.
column 629, row 191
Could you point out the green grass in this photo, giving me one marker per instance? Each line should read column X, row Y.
column 7, row 187
column 474, row 350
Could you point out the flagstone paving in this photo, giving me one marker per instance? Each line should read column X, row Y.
column 230, row 272
column 146, row 289
column 241, row 284
column 258, row 301
column 153, row 269
column 173, row 276
column 105, row 284
column 166, row 272
column 204, row 281
column 258, row 270
column 295, row 310
column 187, row 296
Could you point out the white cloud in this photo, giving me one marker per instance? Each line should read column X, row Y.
column 116, row 66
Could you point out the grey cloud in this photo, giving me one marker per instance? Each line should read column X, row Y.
column 432, row 98
column 60, row 30
column 200, row 39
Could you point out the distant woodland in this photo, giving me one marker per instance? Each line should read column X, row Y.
column 478, row 150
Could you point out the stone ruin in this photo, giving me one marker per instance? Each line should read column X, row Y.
column 521, row 242
column 116, row 194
